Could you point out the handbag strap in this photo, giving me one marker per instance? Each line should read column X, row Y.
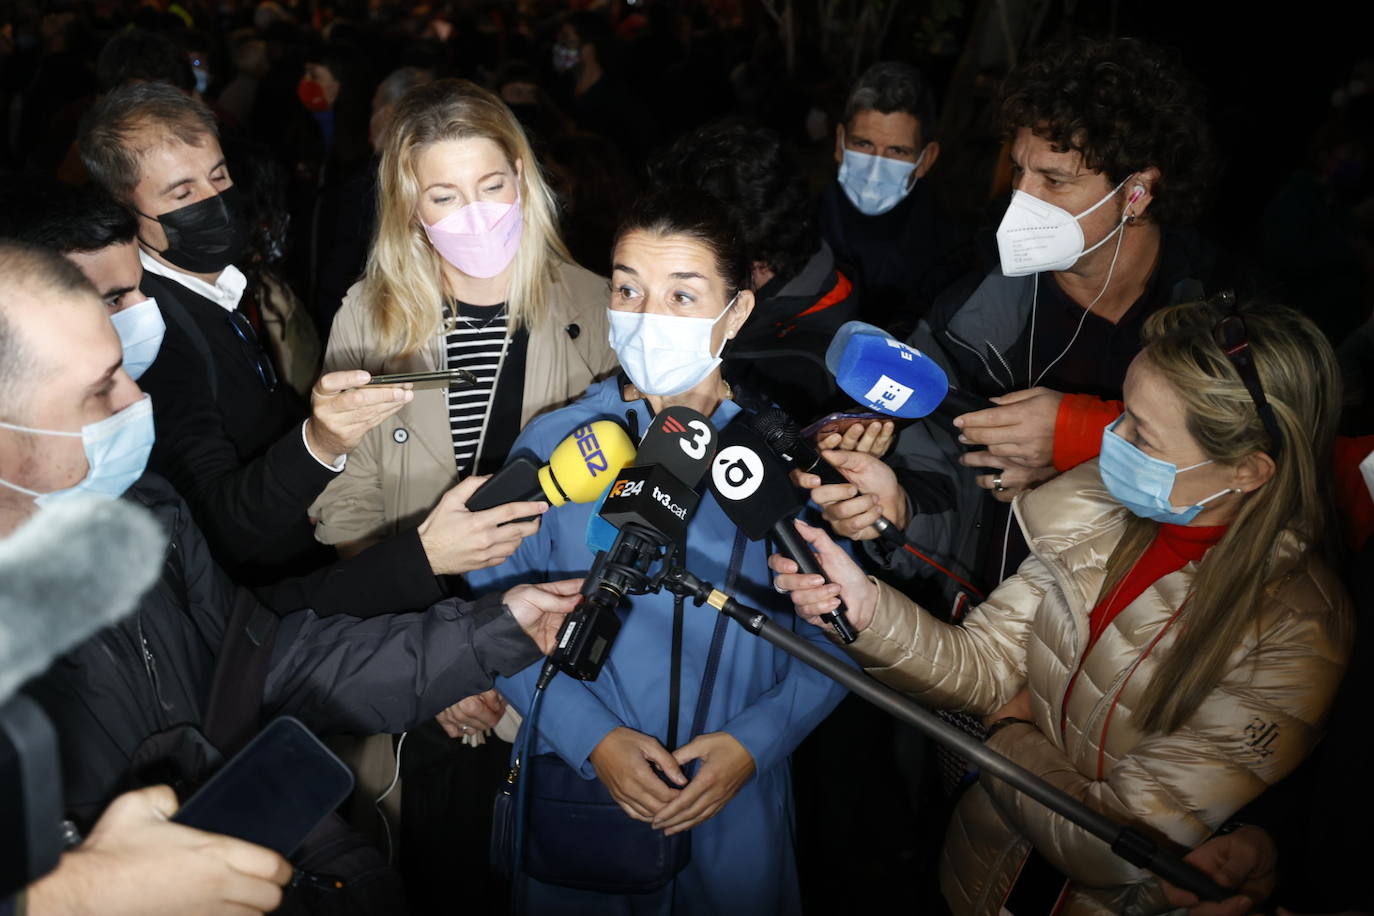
column 708, row 676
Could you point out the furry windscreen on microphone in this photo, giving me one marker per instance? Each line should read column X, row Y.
column 70, row 570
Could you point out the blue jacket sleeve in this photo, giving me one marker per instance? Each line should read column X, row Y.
column 772, row 726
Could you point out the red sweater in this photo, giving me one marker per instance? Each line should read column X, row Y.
column 1174, row 546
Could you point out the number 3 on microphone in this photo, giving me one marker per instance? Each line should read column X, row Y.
column 696, row 446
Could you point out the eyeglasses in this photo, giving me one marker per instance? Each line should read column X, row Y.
column 1232, row 336
column 243, row 330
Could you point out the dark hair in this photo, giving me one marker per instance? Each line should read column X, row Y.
column 27, row 267
column 683, row 210
column 1125, row 106
column 142, row 56
column 747, row 169
column 110, row 124
column 892, row 86
column 62, row 218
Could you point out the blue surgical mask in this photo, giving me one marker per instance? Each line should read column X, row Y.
column 665, row 355
column 1144, row 484
column 117, row 450
column 876, row 184
column 140, row 329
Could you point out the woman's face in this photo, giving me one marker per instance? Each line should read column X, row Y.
column 675, row 275
column 1155, row 423
column 455, row 173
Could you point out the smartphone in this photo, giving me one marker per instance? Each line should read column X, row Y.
column 438, row 378
column 274, row 791
column 839, row 422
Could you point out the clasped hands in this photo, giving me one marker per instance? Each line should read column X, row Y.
column 624, row 762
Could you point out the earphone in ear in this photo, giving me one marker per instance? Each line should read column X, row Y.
column 1137, row 192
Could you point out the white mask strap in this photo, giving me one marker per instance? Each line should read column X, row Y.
column 1110, row 195
column 18, row 489
column 39, row 432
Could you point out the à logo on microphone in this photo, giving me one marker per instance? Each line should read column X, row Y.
column 737, row 472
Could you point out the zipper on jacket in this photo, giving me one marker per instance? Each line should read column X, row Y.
column 986, row 367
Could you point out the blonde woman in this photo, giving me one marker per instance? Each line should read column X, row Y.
column 1170, row 647
column 466, row 271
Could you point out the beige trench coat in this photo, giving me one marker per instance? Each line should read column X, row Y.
column 404, row 465
column 1256, row 726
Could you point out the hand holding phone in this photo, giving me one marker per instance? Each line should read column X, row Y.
column 274, row 791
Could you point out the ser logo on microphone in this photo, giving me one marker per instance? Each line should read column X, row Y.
column 737, row 472
column 590, row 448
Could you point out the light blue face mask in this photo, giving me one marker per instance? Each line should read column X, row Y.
column 117, row 449
column 1143, row 484
column 876, row 184
column 140, row 329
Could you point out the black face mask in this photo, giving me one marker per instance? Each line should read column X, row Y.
column 207, row 236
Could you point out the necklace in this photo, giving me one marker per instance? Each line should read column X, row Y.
column 451, row 317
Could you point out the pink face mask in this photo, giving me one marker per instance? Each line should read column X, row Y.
column 480, row 239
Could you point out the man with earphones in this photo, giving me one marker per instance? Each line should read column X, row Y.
column 1109, row 155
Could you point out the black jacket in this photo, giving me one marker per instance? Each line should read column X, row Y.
column 230, row 446
column 780, row 351
column 900, row 260
column 138, row 694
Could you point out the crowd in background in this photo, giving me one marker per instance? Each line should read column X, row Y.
column 816, row 165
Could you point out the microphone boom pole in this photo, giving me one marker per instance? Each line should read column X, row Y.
column 1129, row 844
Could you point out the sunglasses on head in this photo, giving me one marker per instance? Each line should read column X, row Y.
column 1231, row 335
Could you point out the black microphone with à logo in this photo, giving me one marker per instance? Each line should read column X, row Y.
column 650, row 503
column 752, row 486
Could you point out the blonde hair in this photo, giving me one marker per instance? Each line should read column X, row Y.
column 1297, row 370
column 403, row 282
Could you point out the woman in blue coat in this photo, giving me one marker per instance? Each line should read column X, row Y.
column 678, row 294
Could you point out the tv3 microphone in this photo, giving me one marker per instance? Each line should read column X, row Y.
column 893, row 378
column 651, row 503
column 580, row 469
column 752, row 486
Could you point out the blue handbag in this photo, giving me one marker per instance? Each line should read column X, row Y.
column 575, row 834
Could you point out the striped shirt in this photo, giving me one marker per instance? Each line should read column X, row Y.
column 474, row 344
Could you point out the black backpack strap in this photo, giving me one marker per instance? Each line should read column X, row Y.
column 173, row 311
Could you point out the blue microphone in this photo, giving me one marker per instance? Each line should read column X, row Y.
column 893, row 378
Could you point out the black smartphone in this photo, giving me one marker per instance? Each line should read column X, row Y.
column 274, row 791
column 438, row 378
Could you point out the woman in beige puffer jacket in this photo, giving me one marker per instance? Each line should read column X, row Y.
column 1201, row 691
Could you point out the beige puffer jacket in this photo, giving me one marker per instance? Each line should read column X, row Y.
column 406, row 463
column 1256, row 726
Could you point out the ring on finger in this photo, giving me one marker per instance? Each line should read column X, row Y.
column 778, row 588
column 997, row 484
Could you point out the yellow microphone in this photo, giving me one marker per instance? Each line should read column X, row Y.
column 581, row 467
